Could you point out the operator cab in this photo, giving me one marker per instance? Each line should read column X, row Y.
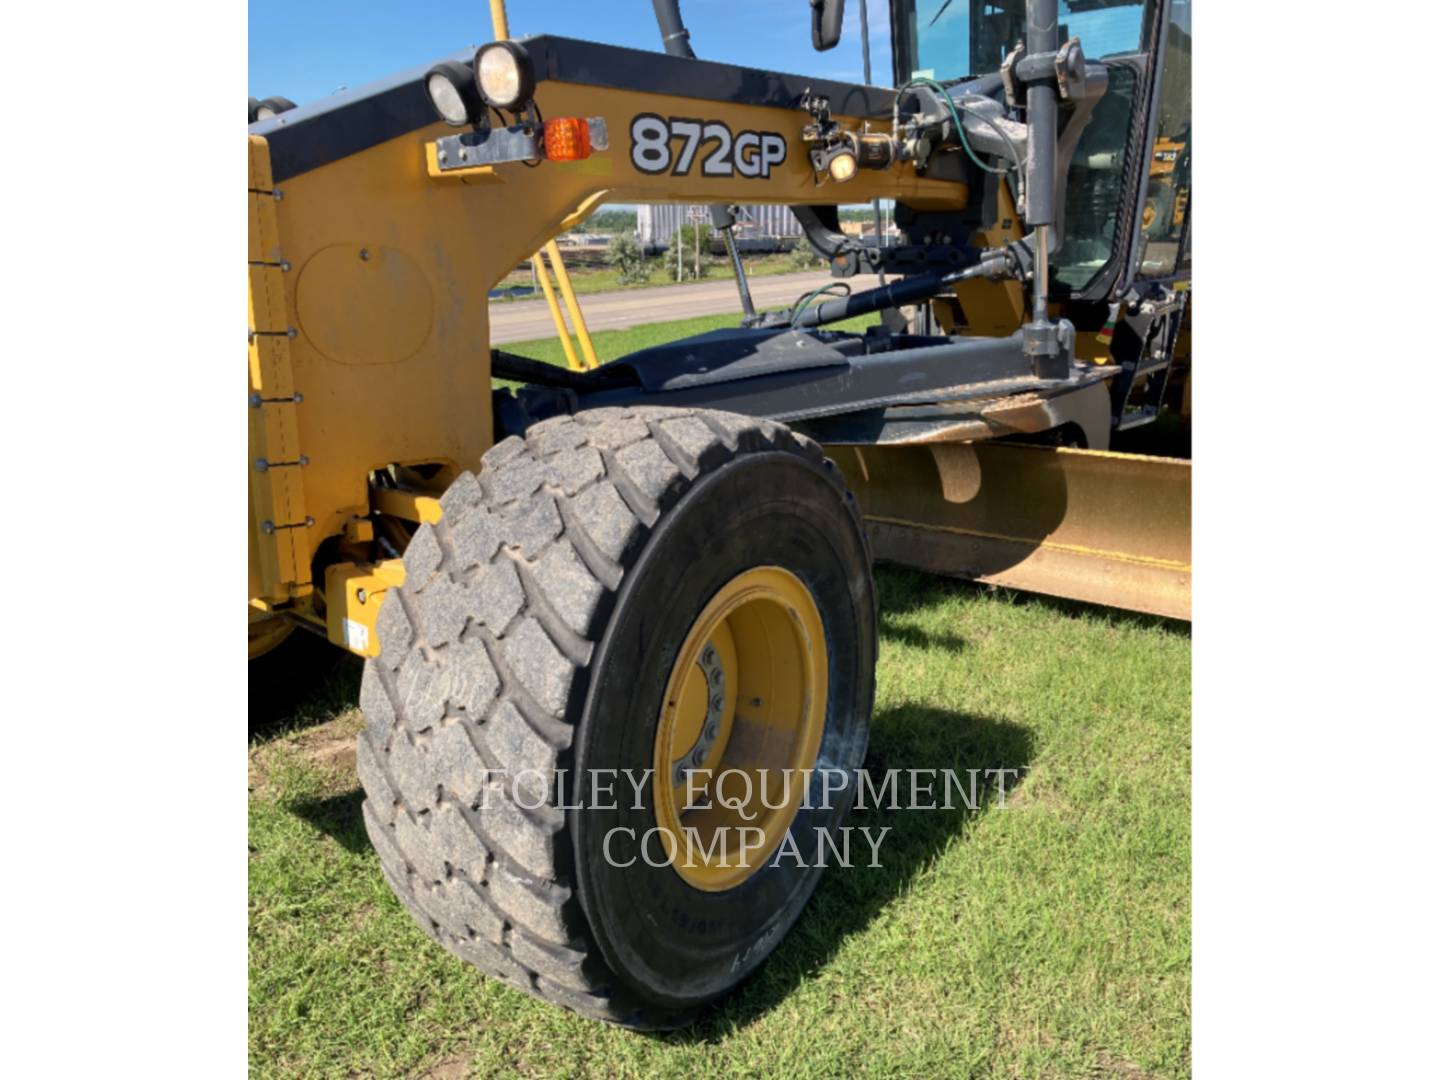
column 1123, row 220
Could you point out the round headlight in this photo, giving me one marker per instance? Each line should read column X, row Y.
column 451, row 88
column 843, row 166
column 504, row 75
column 272, row 107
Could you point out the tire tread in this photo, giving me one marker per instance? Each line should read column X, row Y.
column 458, row 848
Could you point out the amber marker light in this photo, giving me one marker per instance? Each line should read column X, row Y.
column 567, row 138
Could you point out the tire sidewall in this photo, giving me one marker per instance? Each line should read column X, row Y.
column 673, row 944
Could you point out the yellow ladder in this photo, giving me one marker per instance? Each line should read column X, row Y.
column 587, row 359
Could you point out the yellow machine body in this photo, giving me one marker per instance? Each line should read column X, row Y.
column 369, row 344
column 369, row 324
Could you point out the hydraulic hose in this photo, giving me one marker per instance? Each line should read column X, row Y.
column 673, row 34
column 907, row 290
column 676, row 40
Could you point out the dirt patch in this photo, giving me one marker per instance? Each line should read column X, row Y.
column 456, row 1068
column 329, row 746
column 1114, row 1068
column 332, row 745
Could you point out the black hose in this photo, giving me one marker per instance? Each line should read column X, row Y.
column 673, row 34
column 504, row 365
column 676, row 40
column 906, row 290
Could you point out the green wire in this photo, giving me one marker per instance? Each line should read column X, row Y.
column 810, row 297
column 959, row 127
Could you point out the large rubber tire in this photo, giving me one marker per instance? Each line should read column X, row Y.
column 536, row 628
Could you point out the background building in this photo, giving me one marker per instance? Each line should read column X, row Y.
column 760, row 228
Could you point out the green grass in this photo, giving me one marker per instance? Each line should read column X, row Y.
column 610, row 344
column 1048, row 938
column 586, row 280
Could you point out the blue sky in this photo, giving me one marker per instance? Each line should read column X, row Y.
column 309, row 49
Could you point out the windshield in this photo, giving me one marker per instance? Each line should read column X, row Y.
column 947, row 39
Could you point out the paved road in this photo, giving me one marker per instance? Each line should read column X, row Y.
column 525, row 320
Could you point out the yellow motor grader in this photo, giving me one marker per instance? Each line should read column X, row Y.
column 587, row 596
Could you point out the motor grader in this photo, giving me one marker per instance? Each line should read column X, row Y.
column 660, row 566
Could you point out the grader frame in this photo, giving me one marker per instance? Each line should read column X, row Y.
column 372, row 249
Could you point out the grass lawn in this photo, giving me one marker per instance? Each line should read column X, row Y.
column 1049, row 937
column 610, row 344
column 586, row 280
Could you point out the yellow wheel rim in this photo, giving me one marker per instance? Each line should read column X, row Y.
column 740, row 727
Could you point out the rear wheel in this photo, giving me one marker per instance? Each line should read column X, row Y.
column 627, row 608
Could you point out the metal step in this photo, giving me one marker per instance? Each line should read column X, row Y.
column 1133, row 418
column 1151, row 363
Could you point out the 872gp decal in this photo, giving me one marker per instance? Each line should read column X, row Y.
column 708, row 143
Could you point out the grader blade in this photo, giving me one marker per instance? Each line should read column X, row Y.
column 1101, row 527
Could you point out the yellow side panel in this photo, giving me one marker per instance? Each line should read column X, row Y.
column 388, row 295
column 259, row 156
column 277, row 563
column 280, row 552
column 270, row 375
column 274, row 428
column 267, row 300
column 264, row 230
column 257, row 553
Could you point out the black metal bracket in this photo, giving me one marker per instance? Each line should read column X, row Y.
column 1145, row 346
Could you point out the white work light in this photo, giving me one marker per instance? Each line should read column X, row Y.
column 504, row 75
column 451, row 88
column 272, row 107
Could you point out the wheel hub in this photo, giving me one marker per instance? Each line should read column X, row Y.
column 741, row 722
